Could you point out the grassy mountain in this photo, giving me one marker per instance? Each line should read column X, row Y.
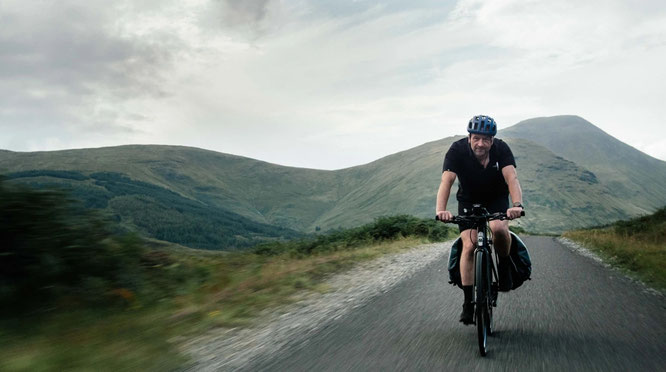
column 207, row 199
column 261, row 191
column 629, row 174
column 156, row 211
column 558, row 193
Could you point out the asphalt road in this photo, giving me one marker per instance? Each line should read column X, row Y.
column 573, row 315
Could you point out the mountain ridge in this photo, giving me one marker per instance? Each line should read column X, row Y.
column 559, row 192
column 624, row 169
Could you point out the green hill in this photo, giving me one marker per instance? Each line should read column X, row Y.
column 207, row 199
column 156, row 211
column 257, row 190
column 558, row 193
column 629, row 174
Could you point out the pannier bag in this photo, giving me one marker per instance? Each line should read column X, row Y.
column 521, row 264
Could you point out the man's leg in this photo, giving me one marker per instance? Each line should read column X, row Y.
column 502, row 243
column 468, row 238
column 501, row 237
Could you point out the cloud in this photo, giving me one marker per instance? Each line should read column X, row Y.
column 246, row 20
column 595, row 59
column 407, row 76
column 72, row 47
column 63, row 65
column 239, row 12
column 251, row 77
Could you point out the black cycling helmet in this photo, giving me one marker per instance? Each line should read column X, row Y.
column 482, row 124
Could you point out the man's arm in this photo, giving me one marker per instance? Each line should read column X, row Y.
column 511, row 178
column 448, row 178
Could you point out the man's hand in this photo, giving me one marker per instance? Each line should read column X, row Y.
column 445, row 216
column 513, row 212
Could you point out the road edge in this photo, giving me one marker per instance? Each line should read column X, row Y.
column 288, row 326
column 586, row 252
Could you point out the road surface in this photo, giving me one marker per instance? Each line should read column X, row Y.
column 574, row 314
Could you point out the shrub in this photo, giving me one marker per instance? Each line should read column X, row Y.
column 382, row 229
column 650, row 227
column 54, row 248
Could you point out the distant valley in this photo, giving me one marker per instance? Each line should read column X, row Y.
column 572, row 174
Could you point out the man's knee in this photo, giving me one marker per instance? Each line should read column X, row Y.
column 468, row 238
column 501, row 237
column 500, row 229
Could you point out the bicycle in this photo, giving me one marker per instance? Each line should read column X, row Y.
column 485, row 271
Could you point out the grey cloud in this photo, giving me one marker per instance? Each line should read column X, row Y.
column 57, row 61
column 245, row 11
column 248, row 18
column 71, row 49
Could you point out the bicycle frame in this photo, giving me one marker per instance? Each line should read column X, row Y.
column 486, row 278
column 485, row 244
column 484, row 273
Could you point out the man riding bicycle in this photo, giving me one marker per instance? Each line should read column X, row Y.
column 486, row 170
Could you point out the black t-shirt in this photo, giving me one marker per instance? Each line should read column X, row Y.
column 476, row 184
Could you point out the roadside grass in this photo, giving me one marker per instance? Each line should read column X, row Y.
column 148, row 336
column 76, row 296
column 266, row 282
column 637, row 246
column 86, row 340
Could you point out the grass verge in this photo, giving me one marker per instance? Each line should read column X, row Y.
column 146, row 337
column 637, row 246
column 76, row 296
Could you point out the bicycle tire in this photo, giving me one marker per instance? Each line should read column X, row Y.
column 489, row 306
column 481, row 309
column 489, row 293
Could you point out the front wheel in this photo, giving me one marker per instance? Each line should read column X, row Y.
column 481, row 311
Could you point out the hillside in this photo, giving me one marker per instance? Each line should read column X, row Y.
column 629, row 174
column 161, row 189
column 558, row 193
column 156, row 211
column 258, row 190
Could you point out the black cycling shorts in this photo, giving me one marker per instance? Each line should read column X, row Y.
column 500, row 204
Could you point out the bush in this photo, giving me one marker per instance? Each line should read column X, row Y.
column 53, row 248
column 56, row 253
column 382, row 229
column 650, row 227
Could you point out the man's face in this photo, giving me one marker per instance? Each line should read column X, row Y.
column 480, row 144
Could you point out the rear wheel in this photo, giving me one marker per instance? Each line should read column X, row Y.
column 481, row 311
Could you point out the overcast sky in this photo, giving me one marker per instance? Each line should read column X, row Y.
column 323, row 84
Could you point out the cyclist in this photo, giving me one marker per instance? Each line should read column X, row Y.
column 486, row 171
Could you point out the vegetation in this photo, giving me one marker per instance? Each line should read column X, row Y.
column 567, row 178
column 49, row 173
column 383, row 229
column 637, row 245
column 156, row 211
column 76, row 296
column 517, row 230
column 631, row 176
column 53, row 249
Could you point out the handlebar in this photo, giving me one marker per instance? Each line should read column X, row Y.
column 473, row 218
